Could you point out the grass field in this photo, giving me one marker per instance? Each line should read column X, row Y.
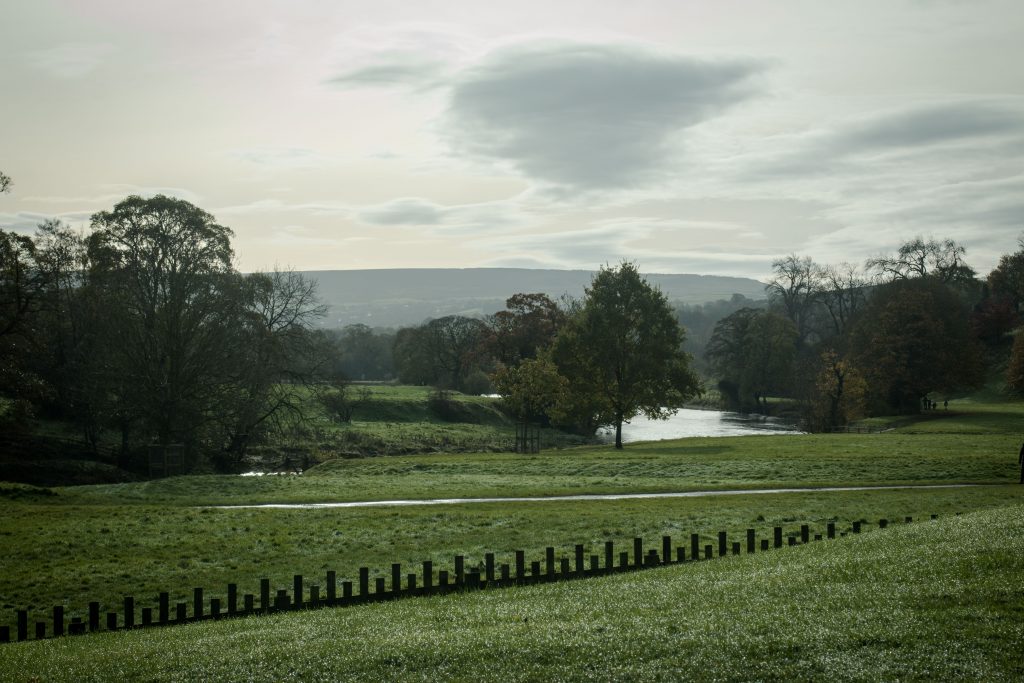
column 930, row 601
column 67, row 546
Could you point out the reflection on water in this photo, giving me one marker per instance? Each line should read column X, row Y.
column 699, row 423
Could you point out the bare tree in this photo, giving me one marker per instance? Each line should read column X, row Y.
column 795, row 289
column 941, row 259
column 842, row 293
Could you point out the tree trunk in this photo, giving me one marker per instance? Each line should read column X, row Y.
column 618, row 432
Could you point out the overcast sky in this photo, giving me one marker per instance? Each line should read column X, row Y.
column 693, row 137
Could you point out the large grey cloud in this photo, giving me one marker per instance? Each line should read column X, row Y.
column 589, row 117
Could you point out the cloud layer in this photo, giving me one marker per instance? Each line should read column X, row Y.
column 589, row 117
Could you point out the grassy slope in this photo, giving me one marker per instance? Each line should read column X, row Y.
column 931, row 601
column 103, row 542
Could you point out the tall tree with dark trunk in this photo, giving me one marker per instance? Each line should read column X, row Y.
column 164, row 268
column 621, row 353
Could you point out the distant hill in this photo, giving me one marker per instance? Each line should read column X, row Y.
column 408, row 296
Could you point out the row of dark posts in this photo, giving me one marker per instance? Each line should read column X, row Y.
column 486, row 574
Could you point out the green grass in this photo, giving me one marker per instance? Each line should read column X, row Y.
column 930, row 601
column 69, row 555
column 686, row 464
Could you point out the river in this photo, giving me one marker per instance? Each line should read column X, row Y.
column 689, row 422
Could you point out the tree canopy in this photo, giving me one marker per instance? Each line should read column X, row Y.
column 621, row 353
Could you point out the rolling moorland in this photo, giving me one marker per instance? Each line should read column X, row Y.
column 933, row 600
column 399, row 297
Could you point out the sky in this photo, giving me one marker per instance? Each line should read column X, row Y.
column 689, row 137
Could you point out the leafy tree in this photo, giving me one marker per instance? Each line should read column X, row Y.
column 528, row 324
column 914, row 338
column 1007, row 279
column 942, row 260
column 838, row 395
column 1015, row 370
column 5, row 182
column 532, row 389
column 753, row 351
column 621, row 353
column 442, row 352
column 164, row 270
column 365, row 353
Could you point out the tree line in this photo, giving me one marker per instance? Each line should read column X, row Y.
column 892, row 336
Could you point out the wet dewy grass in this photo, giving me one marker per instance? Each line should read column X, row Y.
column 70, row 555
column 681, row 465
column 928, row 601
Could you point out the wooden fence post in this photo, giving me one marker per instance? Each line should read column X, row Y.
column 563, row 568
column 831, row 530
column 314, row 596
column 722, row 542
column 232, row 598
column 460, row 570
column 549, row 561
column 396, row 577
column 111, row 621
column 380, row 586
column 248, row 603
column 265, row 595
column 332, row 587
column 805, row 534
column 94, row 616
column 777, row 532
column 164, row 608
column 666, row 549
column 735, row 547
column 856, row 527
column 520, row 566
column 58, row 620
column 638, row 552
column 751, row 540
column 298, row 593
column 882, row 523
column 129, row 612
column 709, row 551
column 694, row 546
column 428, row 576
column 623, row 560
column 346, row 592
column 180, row 614
column 764, row 544
column 214, row 609
column 489, row 568
column 364, row 583
column 579, row 559
column 40, row 630
column 23, row 624
column 609, row 554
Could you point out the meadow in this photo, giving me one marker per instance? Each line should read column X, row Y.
column 67, row 546
column 926, row 601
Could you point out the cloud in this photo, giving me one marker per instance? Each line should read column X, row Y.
column 588, row 116
column 416, row 54
column 405, row 211
column 70, row 60
column 455, row 218
column 395, row 70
